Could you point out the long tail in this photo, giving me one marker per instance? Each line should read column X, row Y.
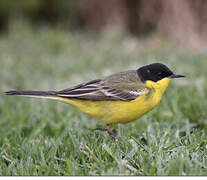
column 37, row 94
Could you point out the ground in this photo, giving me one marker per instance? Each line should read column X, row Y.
column 44, row 137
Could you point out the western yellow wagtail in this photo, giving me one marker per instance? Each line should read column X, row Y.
column 118, row 98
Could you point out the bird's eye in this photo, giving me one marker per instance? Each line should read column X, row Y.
column 159, row 74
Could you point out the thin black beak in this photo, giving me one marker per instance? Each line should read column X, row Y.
column 176, row 76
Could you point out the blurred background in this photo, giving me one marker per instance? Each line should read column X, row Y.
column 181, row 21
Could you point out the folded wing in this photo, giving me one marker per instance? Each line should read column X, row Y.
column 125, row 86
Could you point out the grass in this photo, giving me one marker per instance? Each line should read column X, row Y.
column 43, row 137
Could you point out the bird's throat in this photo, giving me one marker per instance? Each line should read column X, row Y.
column 160, row 85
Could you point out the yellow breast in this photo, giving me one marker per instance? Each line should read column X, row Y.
column 123, row 111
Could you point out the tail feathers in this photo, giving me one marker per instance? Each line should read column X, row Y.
column 40, row 94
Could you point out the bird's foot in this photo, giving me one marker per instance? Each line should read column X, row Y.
column 112, row 134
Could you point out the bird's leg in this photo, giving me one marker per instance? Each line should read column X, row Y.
column 112, row 132
column 101, row 129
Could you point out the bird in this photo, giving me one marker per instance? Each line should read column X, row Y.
column 119, row 98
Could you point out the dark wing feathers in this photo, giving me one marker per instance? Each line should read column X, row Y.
column 125, row 86
column 91, row 85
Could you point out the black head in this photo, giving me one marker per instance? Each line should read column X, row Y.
column 156, row 72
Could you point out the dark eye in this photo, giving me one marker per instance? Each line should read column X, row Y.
column 159, row 74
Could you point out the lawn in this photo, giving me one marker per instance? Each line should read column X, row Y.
column 44, row 137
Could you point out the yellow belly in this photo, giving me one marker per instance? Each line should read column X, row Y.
column 111, row 112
